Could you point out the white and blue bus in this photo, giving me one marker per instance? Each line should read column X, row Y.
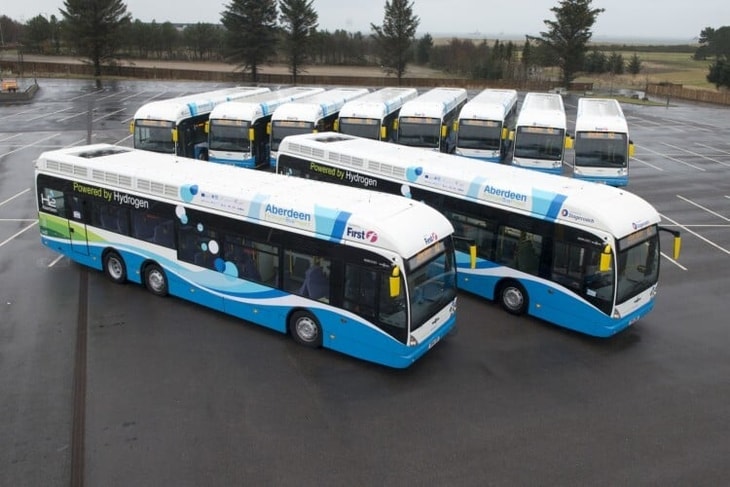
column 372, row 276
column 177, row 125
column 540, row 137
column 484, row 125
column 428, row 121
column 237, row 130
column 315, row 113
column 602, row 145
column 373, row 116
column 580, row 255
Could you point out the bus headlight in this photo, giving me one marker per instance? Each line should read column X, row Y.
column 412, row 342
column 616, row 314
column 557, row 164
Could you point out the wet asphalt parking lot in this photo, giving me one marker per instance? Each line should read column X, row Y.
column 169, row 393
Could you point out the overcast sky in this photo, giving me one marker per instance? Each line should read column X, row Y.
column 659, row 19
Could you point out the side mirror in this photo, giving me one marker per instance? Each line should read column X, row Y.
column 394, row 282
column 605, row 263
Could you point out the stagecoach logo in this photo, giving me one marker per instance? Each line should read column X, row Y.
column 366, row 235
column 576, row 217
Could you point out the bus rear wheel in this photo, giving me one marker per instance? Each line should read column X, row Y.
column 305, row 329
column 155, row 280
column 513, row 298
column 114, row 267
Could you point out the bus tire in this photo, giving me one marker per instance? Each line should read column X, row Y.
column 513, row 298
column 155, row 280
column 305, row 329
column 114, row 267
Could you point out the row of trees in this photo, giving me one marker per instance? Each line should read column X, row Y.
column 253, row 32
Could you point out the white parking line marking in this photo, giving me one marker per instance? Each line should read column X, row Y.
column 30, row 145
column 672, row 158
column 17, row 234
column 56, row 260
column 696, row 154
column 645, row 163
column 15, row 196
column 709, row 242
column 703, row 208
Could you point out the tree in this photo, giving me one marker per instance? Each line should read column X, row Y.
column 94, row 28
column 616, row 63
column 37, row 35
column 299, row 20
column 719, row 73
column 202, row 39
column 716, row 43
column 634, row 66
column 423, row 49
column 568, row 35
column 250, row 36
column 395, row 36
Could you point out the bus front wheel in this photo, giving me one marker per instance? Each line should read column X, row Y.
column 155, row 280
column 305, row 329
column 114, row 267
column 513, row 298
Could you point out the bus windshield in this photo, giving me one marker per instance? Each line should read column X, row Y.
column 284, row 128
column 154, row 135
column 480, row 134
column 598, row 149
column 638, row 263
column 432, row 281
column 229, row 136
column 539, row 143
column 419, row 132
column 360, row 127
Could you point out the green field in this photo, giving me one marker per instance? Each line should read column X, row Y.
column 659, row 67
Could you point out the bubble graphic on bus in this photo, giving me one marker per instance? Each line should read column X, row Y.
column 214, row 247
column 181, row 215
column 188, row 192
column 412, row 173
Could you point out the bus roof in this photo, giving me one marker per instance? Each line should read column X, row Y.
column 546, row 196
column 379, row 103
column 542, row 110
column 257, row 106
column 177, row 109
column 317, row 106
column 435, row 103
column 329, row 211
column 600, row 115
column 490, row 104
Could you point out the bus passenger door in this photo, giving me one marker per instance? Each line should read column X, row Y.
column 77, row 225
